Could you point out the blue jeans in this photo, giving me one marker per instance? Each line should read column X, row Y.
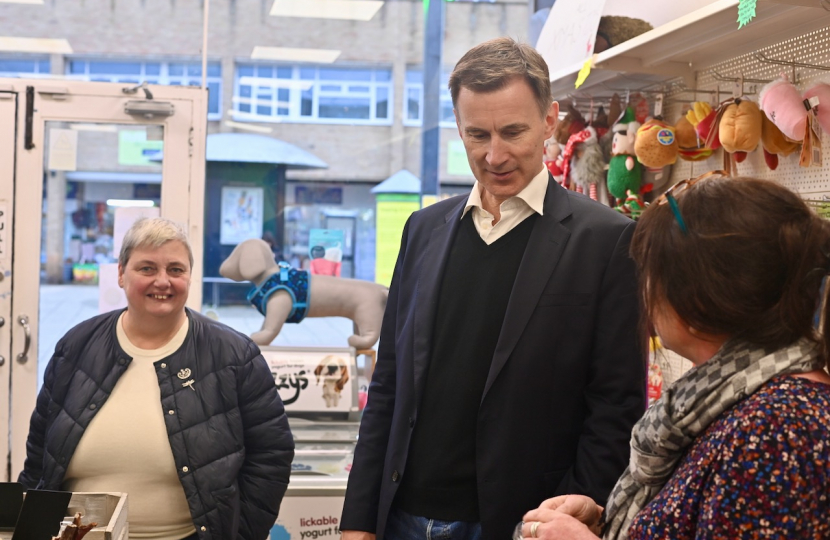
column 403, row 526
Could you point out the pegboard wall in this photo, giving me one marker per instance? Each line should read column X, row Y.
column 716, row 83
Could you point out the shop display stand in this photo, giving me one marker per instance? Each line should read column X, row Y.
column 703, row 56
column 324, row 422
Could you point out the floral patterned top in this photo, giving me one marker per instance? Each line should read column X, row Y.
column 761, row 470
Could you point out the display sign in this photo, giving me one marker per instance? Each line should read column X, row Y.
column 314, row 380
column 308, row 518
column 63, row 149
column 570, row 33
column 393, row 209
column 326, row 251
column 457, row 162
column 242, row 208
column 135, row 149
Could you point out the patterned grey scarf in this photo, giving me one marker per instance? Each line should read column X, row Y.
column 685, row 410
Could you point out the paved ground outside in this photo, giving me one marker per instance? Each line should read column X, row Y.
column 64, row 306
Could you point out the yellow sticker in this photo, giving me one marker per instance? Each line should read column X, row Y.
column 585, row 71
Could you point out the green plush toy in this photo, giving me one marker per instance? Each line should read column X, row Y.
column 624, row 171
column 632, row 205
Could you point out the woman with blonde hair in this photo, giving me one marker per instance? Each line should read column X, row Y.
column 178, row 411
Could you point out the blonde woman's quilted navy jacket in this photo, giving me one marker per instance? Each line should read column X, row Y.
column 230, row 438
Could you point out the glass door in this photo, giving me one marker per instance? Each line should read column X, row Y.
column 90, row 158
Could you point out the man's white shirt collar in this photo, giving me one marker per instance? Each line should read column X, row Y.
column 533, row 194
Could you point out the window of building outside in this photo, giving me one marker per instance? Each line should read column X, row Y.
column 310, row 94
column 168, row 73
column 413, row 103
column 23, row 67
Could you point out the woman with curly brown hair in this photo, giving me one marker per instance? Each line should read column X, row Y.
column 731, row 274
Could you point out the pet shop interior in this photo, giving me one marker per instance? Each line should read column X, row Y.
column 293, row 139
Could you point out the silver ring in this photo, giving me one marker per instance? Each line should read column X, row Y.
column 533, row 527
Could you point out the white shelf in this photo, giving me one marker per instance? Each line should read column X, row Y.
column 681, row 47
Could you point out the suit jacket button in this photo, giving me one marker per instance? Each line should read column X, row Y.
column 411, row 422
column 395, row 476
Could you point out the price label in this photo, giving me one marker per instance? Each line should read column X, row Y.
column 746, row 12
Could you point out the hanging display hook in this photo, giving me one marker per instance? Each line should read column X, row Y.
column 761, row 57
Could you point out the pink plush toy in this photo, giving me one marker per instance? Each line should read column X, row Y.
column 822, row 91
column 784, row 106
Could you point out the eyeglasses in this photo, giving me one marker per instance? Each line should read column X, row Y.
column 673, row 192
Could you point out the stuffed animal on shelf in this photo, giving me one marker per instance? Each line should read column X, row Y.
column 775, row 143
column 656, row 144
column 615, row 110
column 616, row 29
column 624, row 171
column 284, row 294
column 821, row 91
column 703, row 117
column 740, row 127
column 782, row 103
column 600, row 121
column 573, row 123
column 632, row 205
column 654, row 181
column 690, row 146
column 553, row 159
column 588, row 168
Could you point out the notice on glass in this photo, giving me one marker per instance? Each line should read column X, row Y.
column 242, row 209
column 392, row 212
column 63, row 149
column 570, row 33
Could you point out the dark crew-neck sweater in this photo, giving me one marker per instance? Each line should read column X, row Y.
column 439, row 480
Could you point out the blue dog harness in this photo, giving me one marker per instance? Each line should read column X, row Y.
column 291, row 280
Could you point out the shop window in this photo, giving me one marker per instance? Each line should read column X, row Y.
column 413, row 105
column 169, row 73
column 326, row 95
column 23, row 67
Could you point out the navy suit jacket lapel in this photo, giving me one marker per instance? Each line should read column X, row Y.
column 544, row 249
column 427, row 290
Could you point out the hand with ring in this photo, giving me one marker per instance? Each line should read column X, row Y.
column 568, row 517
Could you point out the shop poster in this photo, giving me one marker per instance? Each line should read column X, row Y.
column 311, row 380
column 325, row 248
column 241, row 217
column 308, row 518
column 135, row 148
column 63, row 149
column 393, row 209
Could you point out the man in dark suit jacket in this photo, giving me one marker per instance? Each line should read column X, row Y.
column 510, row 367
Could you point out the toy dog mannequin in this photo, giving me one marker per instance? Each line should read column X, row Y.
column 284, row 294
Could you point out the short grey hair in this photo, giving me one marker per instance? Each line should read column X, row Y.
column 153, row 233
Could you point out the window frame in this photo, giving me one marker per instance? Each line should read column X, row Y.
column 163, row 77
column 418, row 86
column 298, row 84
column 38, row 61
